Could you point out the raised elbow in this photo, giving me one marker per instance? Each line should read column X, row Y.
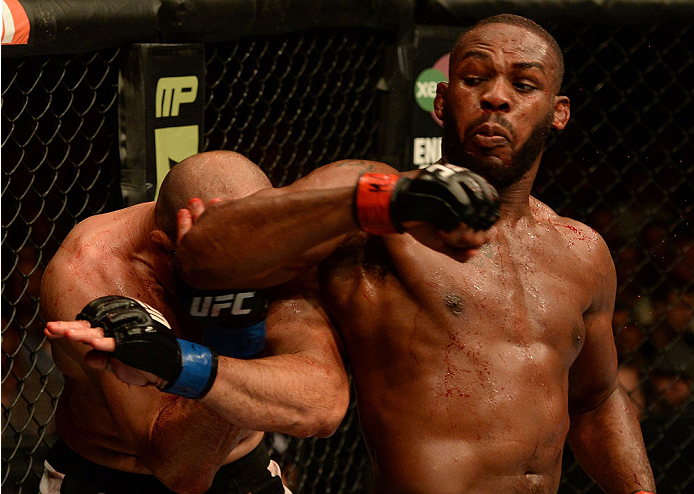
column 329, row 423
column 324, row 419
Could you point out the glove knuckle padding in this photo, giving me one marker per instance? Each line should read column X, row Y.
column 141, row 341
column 481, row 212
column 98, row 312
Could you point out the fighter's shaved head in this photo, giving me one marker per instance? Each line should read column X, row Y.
column 209, row 175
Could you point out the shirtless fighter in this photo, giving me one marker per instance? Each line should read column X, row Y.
column 117, row 438
column 471, row 375
column 475, row 354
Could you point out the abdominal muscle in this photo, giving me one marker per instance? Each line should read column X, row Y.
column 450, row 404
column 425, row 442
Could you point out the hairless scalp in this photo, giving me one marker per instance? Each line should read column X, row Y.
column 522, row 22
column 211, row 175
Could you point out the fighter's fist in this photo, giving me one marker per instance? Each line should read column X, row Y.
column 145, row 341
column 445, row 195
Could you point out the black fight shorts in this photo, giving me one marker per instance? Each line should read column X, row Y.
column 247, row 475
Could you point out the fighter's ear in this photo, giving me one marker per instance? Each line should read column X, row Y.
column 161, row 243
column 440, row 99
column 562, row 112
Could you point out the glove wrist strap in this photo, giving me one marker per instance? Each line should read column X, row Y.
column 198, row 371
column 372, row 202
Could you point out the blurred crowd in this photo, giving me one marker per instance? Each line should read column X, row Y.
column 654, row 310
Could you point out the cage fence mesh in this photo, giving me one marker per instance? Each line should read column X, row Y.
column 624, row 165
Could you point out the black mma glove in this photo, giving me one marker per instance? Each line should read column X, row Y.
column 442, row 194
column 144, row 340
column 234, row 320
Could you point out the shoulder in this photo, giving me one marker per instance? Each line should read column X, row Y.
column 341, row 173
column 587, row 251
column 362, row 166
column 576, row 234
column 85, row 264
column 87, row 240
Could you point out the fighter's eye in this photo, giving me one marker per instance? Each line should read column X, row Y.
column 523, row 87
column 472, row 81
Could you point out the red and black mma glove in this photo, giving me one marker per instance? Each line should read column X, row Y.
column 233, row 320
column 144, row 340
column 442, row 194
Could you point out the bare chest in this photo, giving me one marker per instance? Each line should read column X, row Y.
column 522, row 300
column 504, row 302
column 525, row 298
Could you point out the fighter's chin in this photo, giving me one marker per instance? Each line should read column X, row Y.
column 495, row 156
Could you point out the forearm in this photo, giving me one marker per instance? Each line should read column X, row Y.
column 265, row 239
column 291, row 394
column 608, row 444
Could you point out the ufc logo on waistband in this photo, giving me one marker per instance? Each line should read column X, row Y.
column 212, row 306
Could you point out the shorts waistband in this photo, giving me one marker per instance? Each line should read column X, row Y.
column 111, row 481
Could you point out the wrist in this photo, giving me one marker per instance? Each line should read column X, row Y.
column 372, row 203
column 198, row 371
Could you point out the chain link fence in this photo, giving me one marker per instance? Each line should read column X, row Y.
column 624, row 165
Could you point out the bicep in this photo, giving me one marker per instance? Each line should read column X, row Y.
column 298, row 324
column 343, row 173
column 593, row 375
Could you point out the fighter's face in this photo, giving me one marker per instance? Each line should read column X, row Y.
column 500, row 103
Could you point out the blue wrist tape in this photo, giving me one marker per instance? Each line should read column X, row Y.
column 236, row 342
column 198, row 371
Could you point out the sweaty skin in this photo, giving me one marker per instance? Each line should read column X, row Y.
column 298, row 387
column 471, row 376
column 475, row 356
column 462, row 370
column 101, row 418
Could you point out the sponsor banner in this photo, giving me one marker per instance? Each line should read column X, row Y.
column 430, row 66
column 15, row 23
column 161, row 114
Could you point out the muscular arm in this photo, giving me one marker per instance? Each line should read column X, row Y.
column 301, row 387
column 180, row 441
column 269, row 237
column 605, row 433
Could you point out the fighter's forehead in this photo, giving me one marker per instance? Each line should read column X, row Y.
column 505, row 41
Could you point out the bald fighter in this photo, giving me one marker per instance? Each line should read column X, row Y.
column 116, row 438
column 138, row 322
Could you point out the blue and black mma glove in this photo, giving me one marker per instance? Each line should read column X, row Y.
column 442, row 194
column 144, row 340
column 233, row 320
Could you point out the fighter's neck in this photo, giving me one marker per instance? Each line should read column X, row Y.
column 515, row 201
column 138, row 224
